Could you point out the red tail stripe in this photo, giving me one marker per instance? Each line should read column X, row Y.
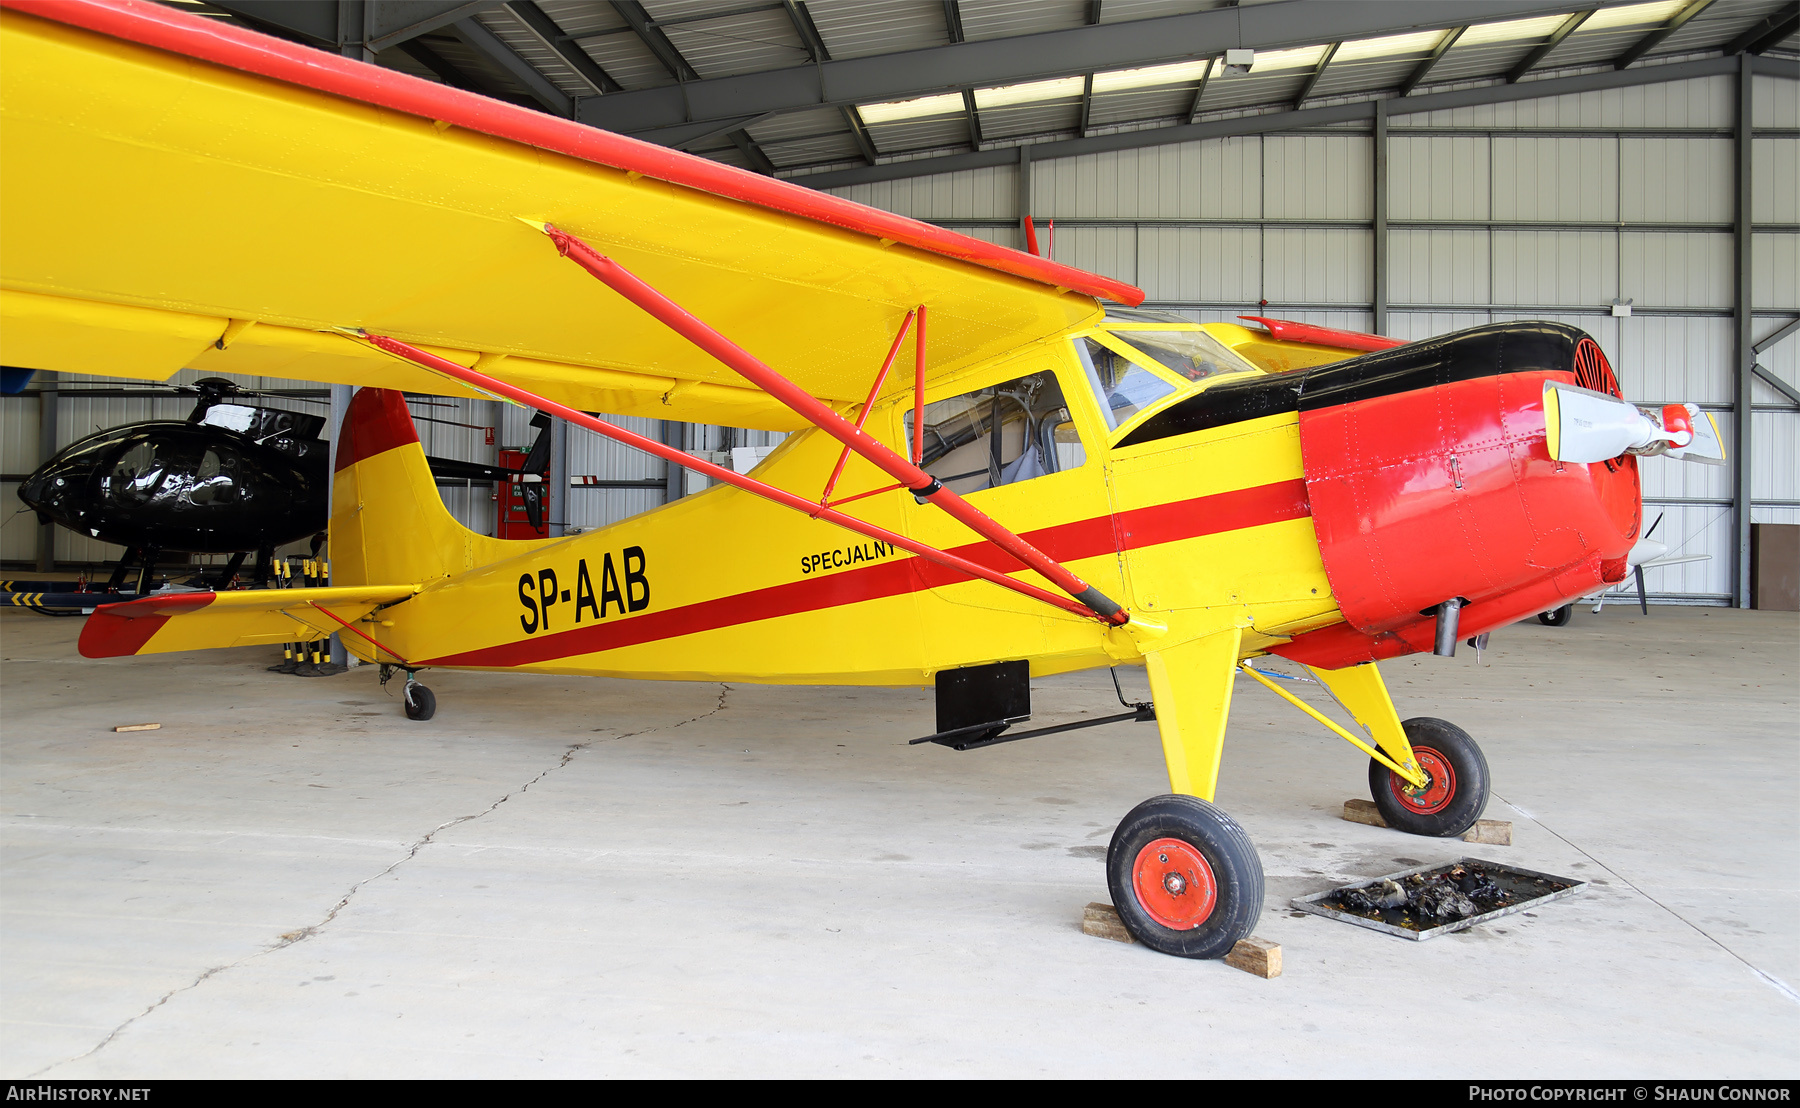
column 376, row 423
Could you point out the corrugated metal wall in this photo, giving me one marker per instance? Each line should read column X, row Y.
column 1646, row 179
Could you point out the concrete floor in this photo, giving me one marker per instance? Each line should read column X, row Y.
column 572, row 878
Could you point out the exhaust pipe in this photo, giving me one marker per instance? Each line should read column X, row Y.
column 1447, row 615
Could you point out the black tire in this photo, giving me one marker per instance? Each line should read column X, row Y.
column 421, row 704
column 1558, row 617
column 1455, row 796
column 1193, row 832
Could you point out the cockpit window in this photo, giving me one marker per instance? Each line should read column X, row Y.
column 1194, row 355
column 1001, row 435
column 212, row 482
column 138, row 473
column 1122, row 385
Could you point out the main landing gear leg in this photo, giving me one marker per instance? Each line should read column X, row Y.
column 1183, row 875
column 1456, row 780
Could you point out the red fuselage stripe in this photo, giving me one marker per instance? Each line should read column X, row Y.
column 1086, row 538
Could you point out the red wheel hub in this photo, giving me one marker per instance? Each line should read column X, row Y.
column 1440, row 784
column 1174, row 884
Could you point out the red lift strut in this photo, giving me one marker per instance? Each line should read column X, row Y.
column 718, row 473
column 923, row 485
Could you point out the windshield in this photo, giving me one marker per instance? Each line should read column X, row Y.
column 1195, row 355
column 1122, row 385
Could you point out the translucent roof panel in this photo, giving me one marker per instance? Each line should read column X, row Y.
column 1253, row 88
column 1053, row 117
column 920, row 134
column 1144, row 103
column 811, row 150
column 1354, row 77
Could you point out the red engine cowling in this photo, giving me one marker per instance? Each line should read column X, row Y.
column 1429, row 479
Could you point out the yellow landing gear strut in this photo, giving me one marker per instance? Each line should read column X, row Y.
column 1427, row 778
column 1184, row 876
column 1363, row 694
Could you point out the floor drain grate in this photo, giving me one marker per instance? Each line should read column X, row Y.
column 1433, row 900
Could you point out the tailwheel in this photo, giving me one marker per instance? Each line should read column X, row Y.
column 421, row 704
column 1556, row 617
column 1455, row 792
column 1184, row 877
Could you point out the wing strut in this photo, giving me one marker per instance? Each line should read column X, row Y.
column 924, row 486
column 718, row 473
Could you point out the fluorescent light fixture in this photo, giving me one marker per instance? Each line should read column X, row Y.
column 1302, row 57
column 1178, row 73
column 1058, row 89
column 1393, row 46
column 950, row 103
column 1513, row 30
column 1633, row 15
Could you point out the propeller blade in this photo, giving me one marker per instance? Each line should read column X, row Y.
column 1706, row 448
column 1643, row 604
column 1581, row 425
column 1586, row 426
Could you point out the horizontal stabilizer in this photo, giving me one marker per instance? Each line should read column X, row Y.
column 207, row 620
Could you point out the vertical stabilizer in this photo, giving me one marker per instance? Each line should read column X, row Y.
column 388, row 523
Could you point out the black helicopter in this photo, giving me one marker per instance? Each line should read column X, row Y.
column 230, row 479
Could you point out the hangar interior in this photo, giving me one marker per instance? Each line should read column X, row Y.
column 567, row 878
column 1629, row 169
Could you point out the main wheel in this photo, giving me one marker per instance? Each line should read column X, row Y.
column 421, row 704
column 1557, row 617
column 1184, row 877
column 1456, row 789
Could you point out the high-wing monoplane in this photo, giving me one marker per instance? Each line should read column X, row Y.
column 1043, row 486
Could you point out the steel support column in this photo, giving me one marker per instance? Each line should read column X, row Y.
column 353, row 35
column 1378, row 267
column 340, row 407
column 1743, row 376
column 556, row 505
column 1024, row 191
column 671, row 473
column 46, row 537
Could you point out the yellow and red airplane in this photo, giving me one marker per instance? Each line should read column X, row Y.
column 1043, row 486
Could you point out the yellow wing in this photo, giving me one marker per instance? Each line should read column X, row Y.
column 182, row 194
